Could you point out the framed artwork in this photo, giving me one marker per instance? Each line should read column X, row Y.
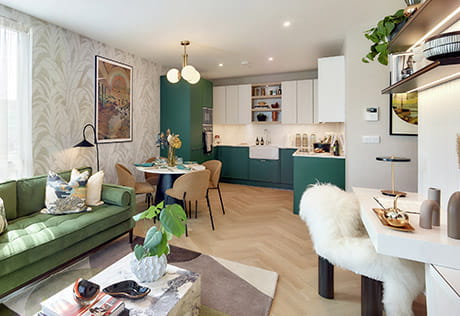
column 114, row 100
column 404, row 114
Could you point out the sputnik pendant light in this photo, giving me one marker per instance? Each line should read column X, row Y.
column 188, row 72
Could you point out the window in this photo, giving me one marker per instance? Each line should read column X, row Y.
column 15, row 101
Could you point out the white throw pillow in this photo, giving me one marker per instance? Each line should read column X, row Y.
column 3, row 221
column 93, row 187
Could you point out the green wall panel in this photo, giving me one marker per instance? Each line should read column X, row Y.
column 310, row 170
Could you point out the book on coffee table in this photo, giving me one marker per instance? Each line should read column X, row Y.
column 63, row 304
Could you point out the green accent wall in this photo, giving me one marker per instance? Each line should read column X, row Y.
column 181, row 112
column 310, row 170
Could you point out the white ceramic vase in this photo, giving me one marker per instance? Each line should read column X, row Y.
column 149, row 269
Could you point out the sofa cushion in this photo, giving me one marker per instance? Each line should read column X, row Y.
column 31, row 192
column 8, row 195
column 37, row 236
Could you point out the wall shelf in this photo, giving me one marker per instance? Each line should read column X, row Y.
column 266, row 110
column 266, row 122
column 428, row 16
column 270, row 84
column 277, row 96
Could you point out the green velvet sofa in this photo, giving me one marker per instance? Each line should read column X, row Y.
column 36, row 243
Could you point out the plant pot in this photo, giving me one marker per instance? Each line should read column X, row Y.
column 149, row 269
column 171, row 156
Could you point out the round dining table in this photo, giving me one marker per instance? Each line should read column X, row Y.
column 167, row 177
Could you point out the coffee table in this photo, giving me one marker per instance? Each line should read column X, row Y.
column 177, row 293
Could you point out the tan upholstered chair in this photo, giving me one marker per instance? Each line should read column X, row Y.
column 151, row 178
column 215, row 167
column 192, row 186
column 126, row 178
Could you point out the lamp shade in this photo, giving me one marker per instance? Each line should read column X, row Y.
column 84, row 143
column 173, row 75
column 188, row 72
column 195, row 77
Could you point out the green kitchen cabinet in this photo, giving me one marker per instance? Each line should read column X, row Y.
column 181, row 111
column 287, row 165
column 264, row 170
column 310, row 170
column 235, row 162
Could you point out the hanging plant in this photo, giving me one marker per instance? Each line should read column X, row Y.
column 380, row 35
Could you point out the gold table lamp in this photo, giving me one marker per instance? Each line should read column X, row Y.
column 393, row 159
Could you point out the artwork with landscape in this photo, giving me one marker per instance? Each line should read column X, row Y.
column 113, row 101
column 404, row 113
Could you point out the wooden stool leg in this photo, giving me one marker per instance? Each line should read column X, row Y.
column 325, row 278
column 371, row 297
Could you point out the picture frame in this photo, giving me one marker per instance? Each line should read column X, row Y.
column 404, row 114
column 113, row 101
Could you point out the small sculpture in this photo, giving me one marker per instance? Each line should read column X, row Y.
column 428, row 211
column 453, row 216
column 84, row 291
column 434, row 194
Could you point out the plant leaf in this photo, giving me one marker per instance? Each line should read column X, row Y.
column 139, row 252
column 383, row 59
column 389, row 27
column 173, row 219
column 381, row 47
column 152, row 238
column 364, row 60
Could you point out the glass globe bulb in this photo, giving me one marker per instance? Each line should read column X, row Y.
column 188, row 72
column 195, row 77
column 173, row 75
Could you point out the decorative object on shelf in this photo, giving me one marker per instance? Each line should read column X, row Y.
column 149, row 262
column 453, row 216
column 379, row 36
column 412, row 7
column 127, row 289
column 442, row 46
column 85, row 143
column 404, row 114
column 114, row 99
column 275, row 106
column 393, row 159
column 171, row 142
column 428, row 211
column 408, row 67
column 275, row 116
column 84, row 291
column 434, row 194
column 262, row 91
column 188, row 72
column 279, row 91
column 261, row 117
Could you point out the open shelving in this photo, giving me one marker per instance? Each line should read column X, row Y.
column 270, row 94
column 433, row 17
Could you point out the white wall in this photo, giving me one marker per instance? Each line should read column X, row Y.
column 363, row 85
column 63, row 70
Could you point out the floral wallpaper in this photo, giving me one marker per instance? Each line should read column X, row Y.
column 63, row 92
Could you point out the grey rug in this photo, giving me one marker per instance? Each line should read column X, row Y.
column 227, row 287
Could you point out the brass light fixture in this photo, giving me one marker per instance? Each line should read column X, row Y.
column 188, row 72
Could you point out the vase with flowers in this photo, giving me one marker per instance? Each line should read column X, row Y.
column 171, row 142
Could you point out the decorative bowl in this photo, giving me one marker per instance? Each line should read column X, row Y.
column 396, row 217
column 129, row 289
column 84, row 291
column 441, row 46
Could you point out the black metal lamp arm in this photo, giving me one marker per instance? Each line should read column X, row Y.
column 95, row 141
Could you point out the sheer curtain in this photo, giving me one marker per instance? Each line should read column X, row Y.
column 15, row 101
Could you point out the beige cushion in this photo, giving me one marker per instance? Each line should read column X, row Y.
column 93, row 187
column 3, row 221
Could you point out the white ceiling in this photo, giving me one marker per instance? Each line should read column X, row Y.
column 220, row 31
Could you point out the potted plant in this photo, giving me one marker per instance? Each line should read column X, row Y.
column 149, row 260
column 261, row 117
column 380, row 36
column 171, row 142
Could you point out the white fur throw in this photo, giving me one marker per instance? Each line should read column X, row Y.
column 338, row 234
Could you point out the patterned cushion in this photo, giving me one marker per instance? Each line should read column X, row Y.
column 3, row 221
column 65, row 198
column 93, row 187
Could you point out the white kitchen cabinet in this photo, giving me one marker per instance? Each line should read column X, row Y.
column 289, row 102
column 218, row 101
column 305, row 102
column 231, row 106
column 315, row 101
column 244, row 104
column 331, row 89
column 442, row 290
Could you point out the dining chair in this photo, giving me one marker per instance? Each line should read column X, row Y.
column 340, row 238
column 150, row 177
column 192, row 186
column 215, row 167
column 126, row 178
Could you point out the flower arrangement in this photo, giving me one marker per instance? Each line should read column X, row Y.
column 171, row 142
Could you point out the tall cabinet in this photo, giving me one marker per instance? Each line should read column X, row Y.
column 181, row 112
column 331, row 89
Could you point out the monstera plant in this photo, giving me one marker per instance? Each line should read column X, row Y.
column 379, row 36
column 149, row 260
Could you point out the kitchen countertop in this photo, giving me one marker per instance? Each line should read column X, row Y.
column 310, row 155
column 247, row 145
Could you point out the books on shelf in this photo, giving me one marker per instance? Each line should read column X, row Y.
column 63, row 304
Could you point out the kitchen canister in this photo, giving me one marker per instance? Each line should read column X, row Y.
column 453, row 216
column 434, row 194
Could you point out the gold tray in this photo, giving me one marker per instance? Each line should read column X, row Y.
column 379, row 212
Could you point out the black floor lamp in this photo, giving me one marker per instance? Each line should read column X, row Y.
column 85, row 143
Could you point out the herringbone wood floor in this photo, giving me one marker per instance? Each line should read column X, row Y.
column 259, row 229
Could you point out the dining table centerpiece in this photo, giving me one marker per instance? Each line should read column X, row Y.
column 149, row 262
column 171, row 142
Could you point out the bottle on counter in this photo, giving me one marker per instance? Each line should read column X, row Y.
column 257, row 140
column 298, row 142
column 304, row 142
column 336, row 148
column 261, row 140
